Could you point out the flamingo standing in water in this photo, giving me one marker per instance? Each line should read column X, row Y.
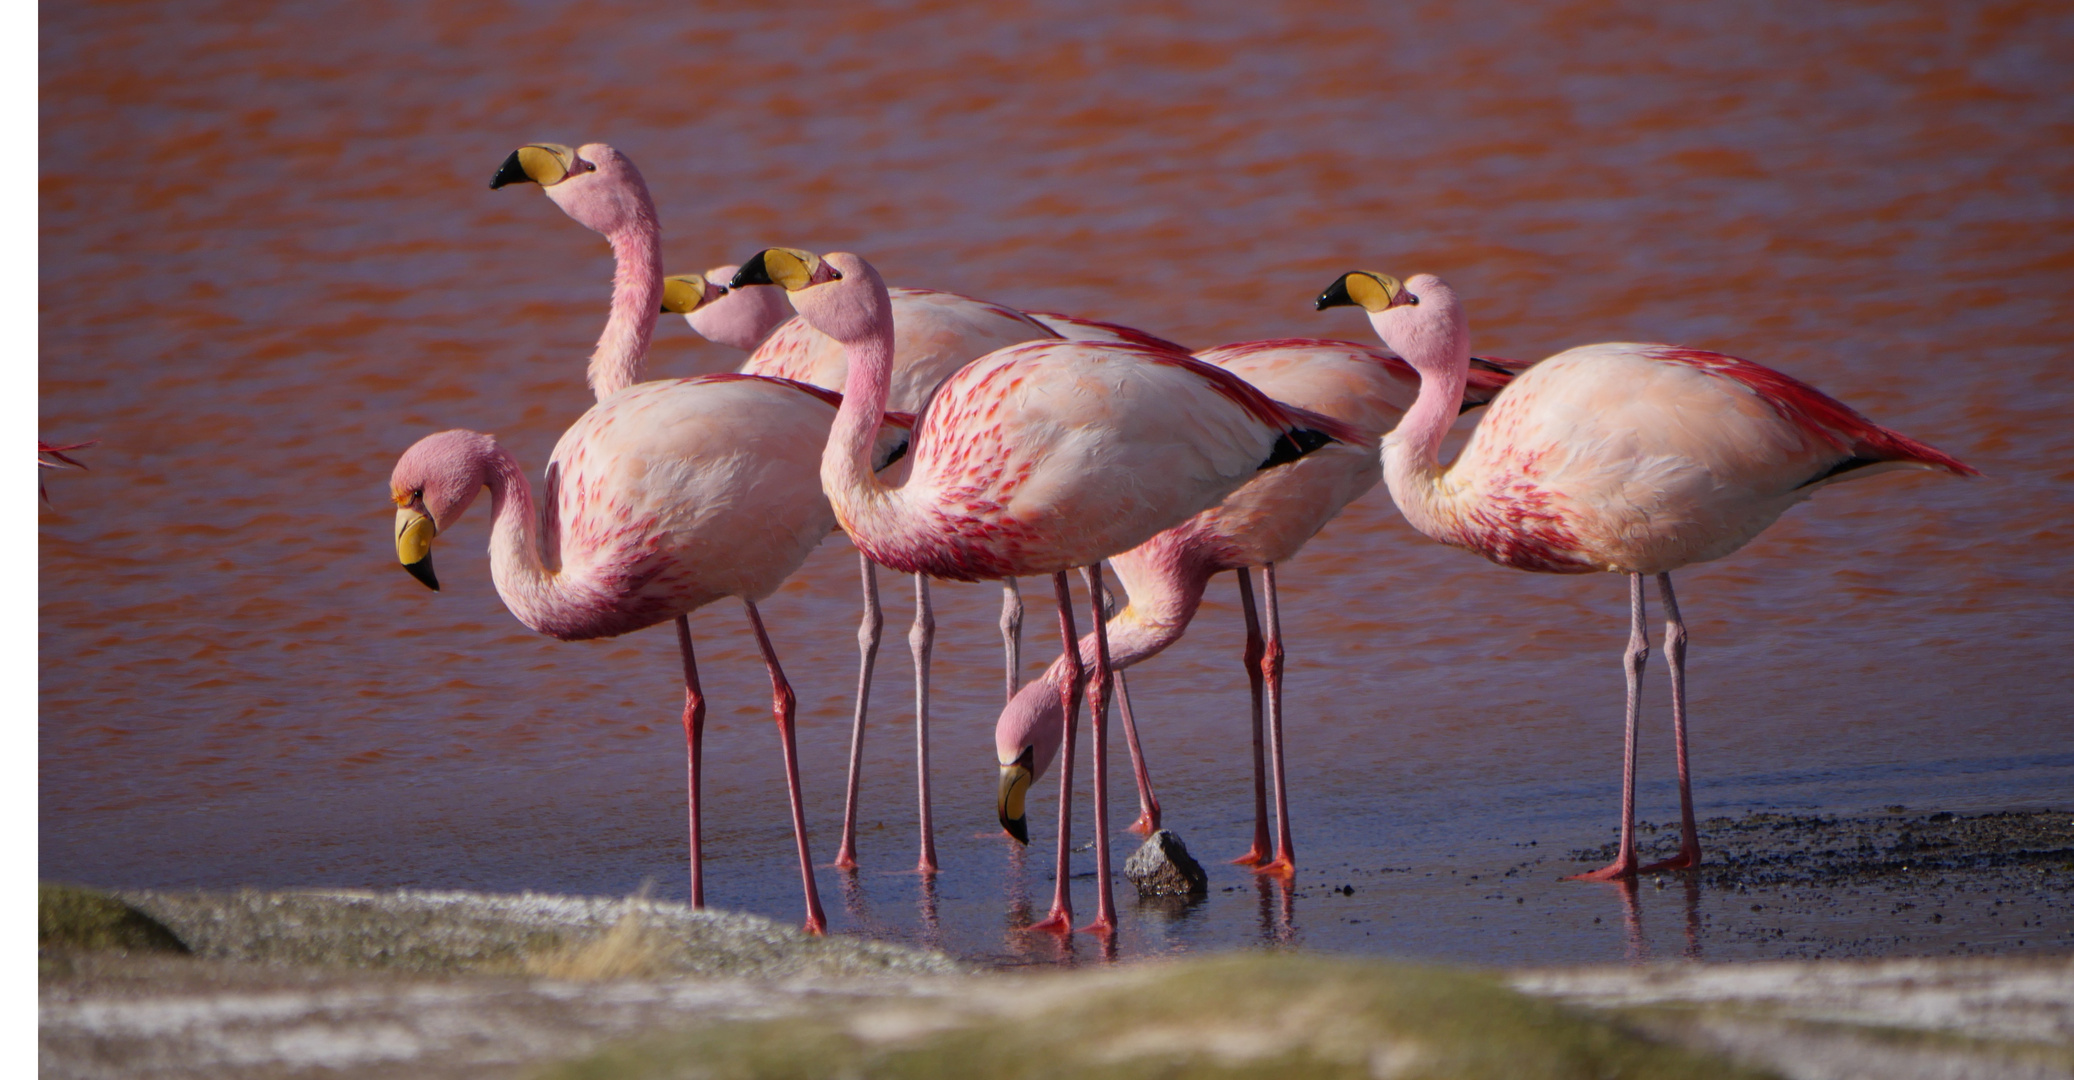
column 1038, row 458
column 662, row 498
column 1626, row 458
column 934, row 334
column 1264, row 524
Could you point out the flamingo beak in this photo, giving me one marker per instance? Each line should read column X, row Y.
column 414, row 533
column 546, row 164
column 1016, row 777
column 684, row 293
column 790, row 268
column 1371, row 291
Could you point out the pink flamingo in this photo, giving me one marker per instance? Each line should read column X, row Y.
column 662, row 457
column 1264, row 524
column 934, row 334
column 52, row 456
column 1627, row 458
column 1038, row 458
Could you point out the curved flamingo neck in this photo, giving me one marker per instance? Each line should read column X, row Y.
column 524, row 581
column 846, row 475
column 637, row 292
column 1439, row 348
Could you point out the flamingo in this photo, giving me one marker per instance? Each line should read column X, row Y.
column 1634, row 459
column 53, row 456
column 934, row 334
column 1037, row 458
column 1264, row 524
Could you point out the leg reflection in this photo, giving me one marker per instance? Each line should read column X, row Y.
column 1692, row 916
column 855, row 903
column 932, row 930
column 1637, row 947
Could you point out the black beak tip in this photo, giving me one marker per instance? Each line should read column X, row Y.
column 1335, row 294
column 750, row 273
column 1018, row 828
column 422, row 570
column 511, row 172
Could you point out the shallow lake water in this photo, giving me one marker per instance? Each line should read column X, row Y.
column 270, row 261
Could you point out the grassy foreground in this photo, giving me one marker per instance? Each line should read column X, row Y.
column 1251, row 1015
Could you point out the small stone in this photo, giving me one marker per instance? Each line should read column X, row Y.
column 1163, row 867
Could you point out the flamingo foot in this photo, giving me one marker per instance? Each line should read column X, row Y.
column 1620, row 870
column 1102, row 925
column 1147, row 823
column 1686, row 859
column 816, row 927
column 845, row 859
column 1282, row 867
column 1254, row 856
column 1060, row 921
column 926, row 867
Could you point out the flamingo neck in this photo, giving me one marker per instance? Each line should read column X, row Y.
column 1411, row 452
column 637, row 291
column 524, row 581
column 856, row 494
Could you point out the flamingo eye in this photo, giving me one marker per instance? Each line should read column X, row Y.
column 834, row 274
column 1411, row 299
column 590, row 166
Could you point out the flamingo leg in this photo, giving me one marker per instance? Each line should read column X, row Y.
column 1098, row 689
column 1148, row 803
column 1012, row 634
column 1256, row 649
column 1284, row 864
column 783, row 704
column 1060, row 920
column 1623, row 867
column 921, row 640
column 694, row 737
column 1688, row 856
column 868, row 633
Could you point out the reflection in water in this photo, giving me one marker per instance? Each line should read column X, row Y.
column 925, row 906
column 1637, row 946
column 855, row 904
column 1277, row 900
column 1692, row 915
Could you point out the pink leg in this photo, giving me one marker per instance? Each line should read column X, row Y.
column 1688, row 856
column 1256, row 650
column 868, row 654
column 1012, row 634
column 694, row 737
column 1148, row 803
column 921, row 639
column 1060, row 920
column 782, row 707
column 1623, row 867
column 1284, row 864
column 1098, row 688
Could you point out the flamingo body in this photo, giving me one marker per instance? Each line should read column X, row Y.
column 1640, row 458
column 1075, row 328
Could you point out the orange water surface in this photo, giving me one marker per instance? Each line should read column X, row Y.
column 270, row 261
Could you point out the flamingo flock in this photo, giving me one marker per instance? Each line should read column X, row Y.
column 956, row 438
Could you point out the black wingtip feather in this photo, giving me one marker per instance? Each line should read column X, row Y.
column 1294, row 444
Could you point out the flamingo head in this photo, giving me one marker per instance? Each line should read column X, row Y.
column 1026, row 741
column 595, row 184
column 839, row 294
column 1419, row 318
column 686, row 293
column 432, row 485
column 740, row 318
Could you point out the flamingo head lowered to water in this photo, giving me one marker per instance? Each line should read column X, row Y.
column 595, row 184
column 1026, row 741
column 432, row 485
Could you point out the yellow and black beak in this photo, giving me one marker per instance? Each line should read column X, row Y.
column 414, row 533
column 683, row 293
column 1016, row 777
column 1372, row 291
column 789, row 268
column 546, row 164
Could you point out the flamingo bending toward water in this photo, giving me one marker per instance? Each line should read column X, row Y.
column 1634, row 459
column 1264, row 524
column 934, row 334
column 1038, row 458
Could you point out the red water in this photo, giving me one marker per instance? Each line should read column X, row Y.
column 271, row 261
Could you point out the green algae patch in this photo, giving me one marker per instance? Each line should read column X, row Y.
column 1232, row 1016
column 71, row 918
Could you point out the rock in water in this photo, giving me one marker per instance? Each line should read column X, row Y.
column 1163, row 867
